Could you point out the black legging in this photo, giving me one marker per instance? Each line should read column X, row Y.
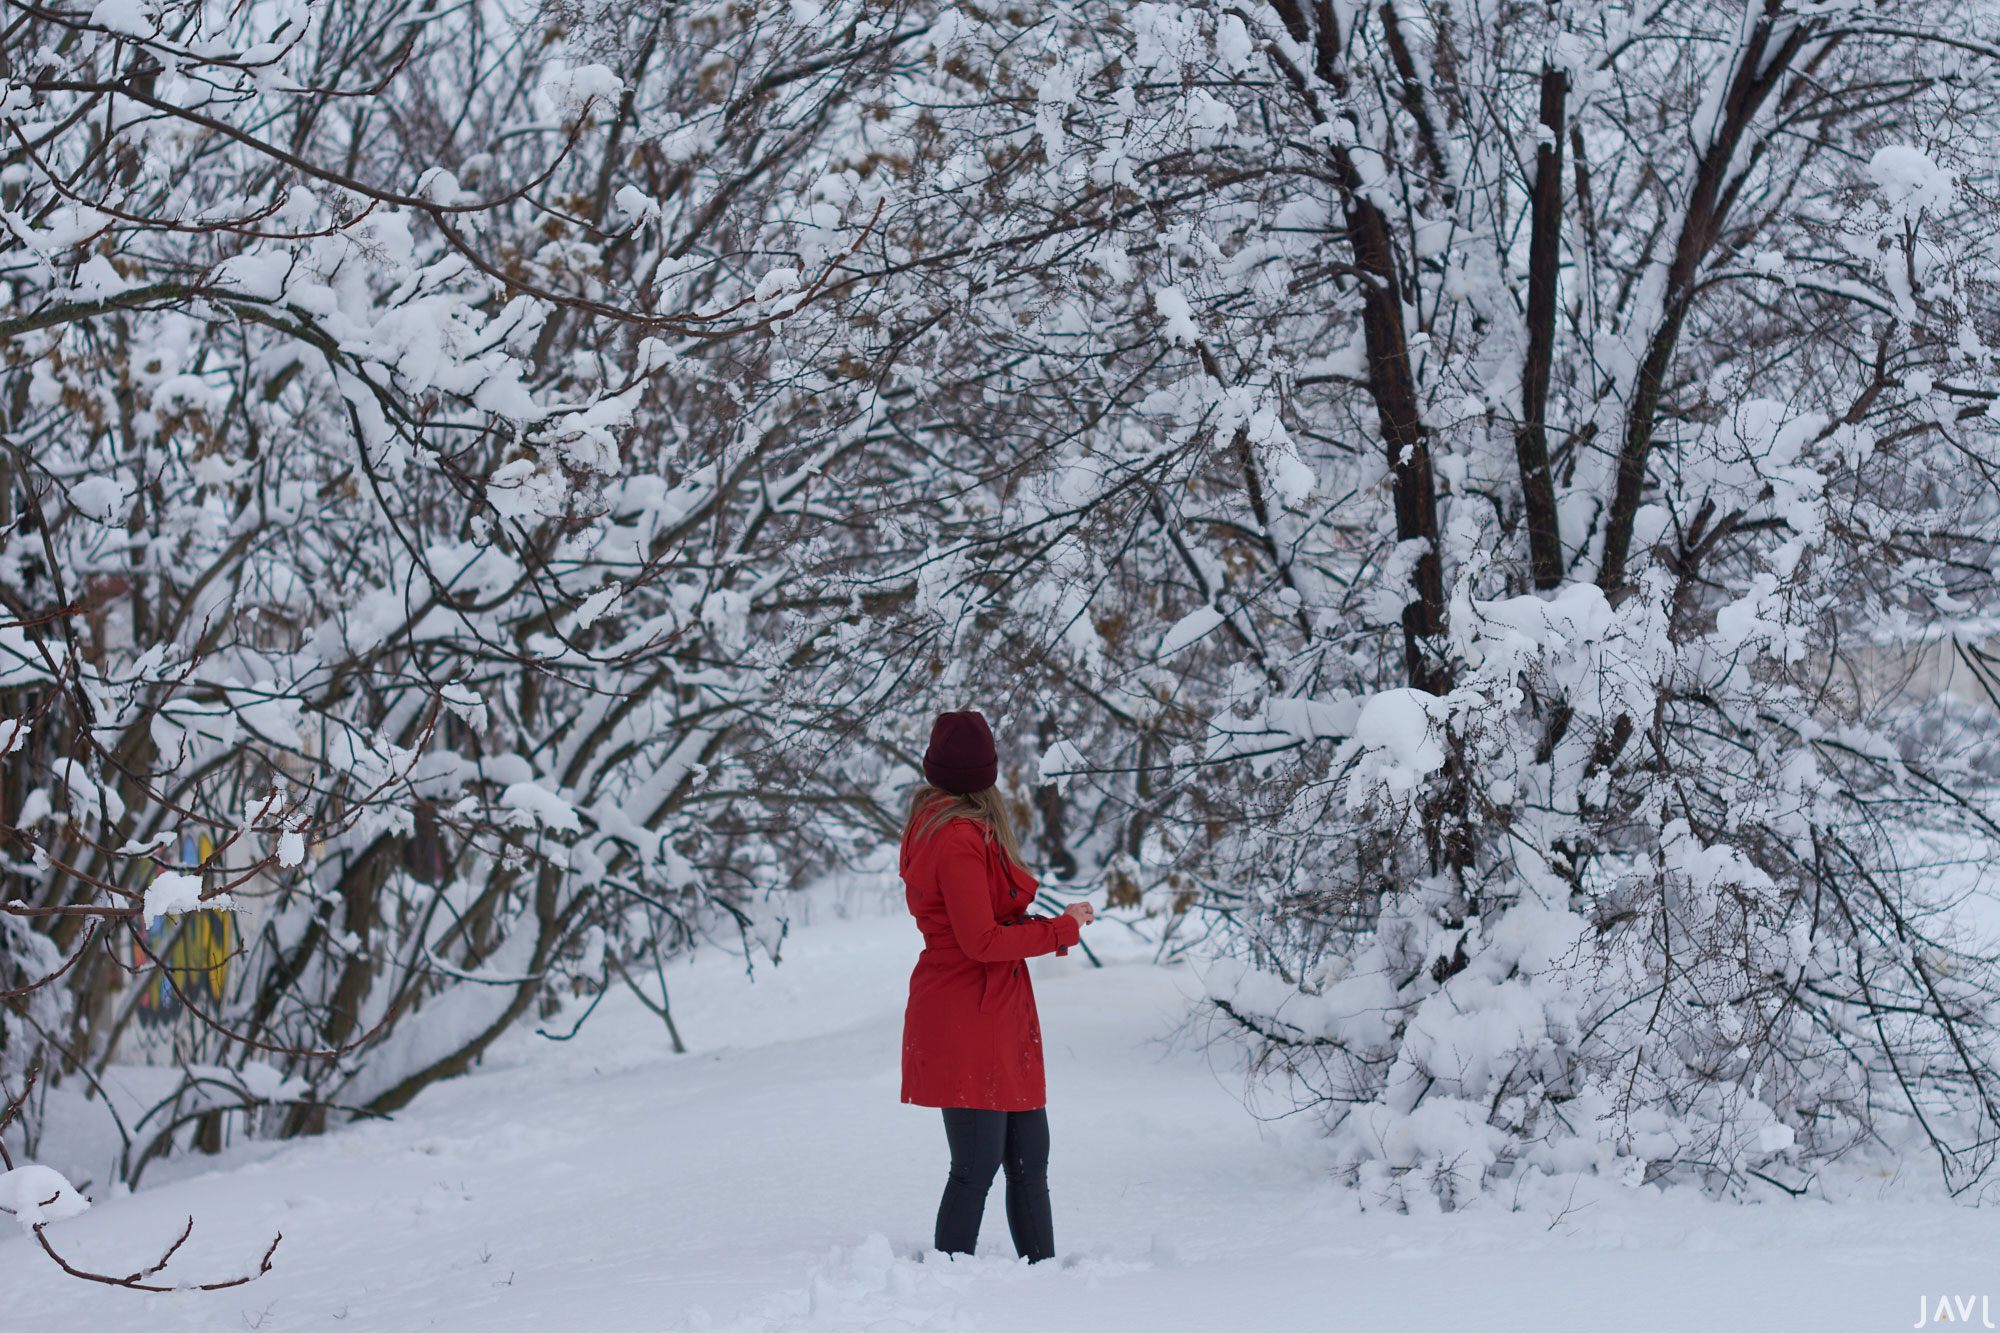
column 981, row 1142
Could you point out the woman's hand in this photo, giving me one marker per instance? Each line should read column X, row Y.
column 1083, row 912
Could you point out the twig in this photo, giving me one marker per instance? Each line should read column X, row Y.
column 135, row 1282
column 14, row 1109
column 665, row 1013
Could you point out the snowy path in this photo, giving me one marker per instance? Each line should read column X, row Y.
column 771, row 1181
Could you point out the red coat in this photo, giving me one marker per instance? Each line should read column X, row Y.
column 970, row 1034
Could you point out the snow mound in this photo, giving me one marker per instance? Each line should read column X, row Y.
column 1909, row 178
column 100, row 498
column 172, row 893
column 38, row 1194
column 1177, row 316
column 536, row 804
column 1062, row 762
column 1401, row 737
column 571, row 90
column 1190, row 629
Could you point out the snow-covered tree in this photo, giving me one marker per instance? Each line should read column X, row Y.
column 1442, row 487
column 396, row 467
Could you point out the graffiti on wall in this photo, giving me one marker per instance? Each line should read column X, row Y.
column 196, row 948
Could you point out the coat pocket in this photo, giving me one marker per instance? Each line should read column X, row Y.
column 999, row 981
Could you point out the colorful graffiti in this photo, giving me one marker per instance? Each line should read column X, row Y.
column 196, row 948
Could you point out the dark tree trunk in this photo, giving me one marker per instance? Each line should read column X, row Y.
column 1531, row 442
column 1758, row 71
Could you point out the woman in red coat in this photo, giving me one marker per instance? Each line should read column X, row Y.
column 972, row 1044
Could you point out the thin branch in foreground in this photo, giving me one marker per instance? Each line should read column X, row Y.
column 14, row 1109
column 136, row 1281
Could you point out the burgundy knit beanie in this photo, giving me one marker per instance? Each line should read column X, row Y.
column 961, row 758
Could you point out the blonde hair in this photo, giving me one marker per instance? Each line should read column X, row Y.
column 931, row 808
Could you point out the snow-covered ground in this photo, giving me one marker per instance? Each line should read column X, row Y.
column 770, row 1180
